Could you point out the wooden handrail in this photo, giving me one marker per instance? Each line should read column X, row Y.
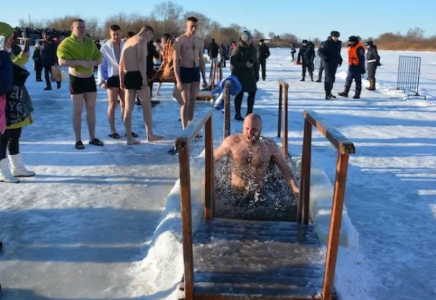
column 204, row 118
column 192, row 130
column 283, row 105
column 343, row 144
column 226, row 109
column 344, row 147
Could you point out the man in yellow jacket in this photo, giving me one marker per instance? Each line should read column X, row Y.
column 10, row 139
column 356, row 66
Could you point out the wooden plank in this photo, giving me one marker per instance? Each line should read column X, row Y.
column 298, row 278
column 275, row 291
column 304, row 202
column 209, row 172
column 204, row 97
column 185, row 199
column 335, row 225
column 279, row 118
column 227, row 109
column 248, row 297
column 343, row 144
column 285, row 121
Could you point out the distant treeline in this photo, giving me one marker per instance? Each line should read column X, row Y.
column 168, row 17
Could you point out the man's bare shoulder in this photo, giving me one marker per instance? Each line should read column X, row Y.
column 181, row 38
column 268, row 143
column 233, row 139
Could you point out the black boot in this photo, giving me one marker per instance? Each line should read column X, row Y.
column 58, row 83
column 345, row 92
column 302, row 79
column 238, row 104
column 319, row 77
column 327, row 91
column 356, row 94
column 330, row 85
column 311, row 77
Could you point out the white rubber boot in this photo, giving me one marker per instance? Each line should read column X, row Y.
column 17, row 166
column 5, row 173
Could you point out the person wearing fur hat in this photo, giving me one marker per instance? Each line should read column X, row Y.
column 245, row 67
column 330, row 55
column 373, row 61
column 356, row 66
column 11, row 137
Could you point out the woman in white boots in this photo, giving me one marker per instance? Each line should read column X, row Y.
column 15, row 119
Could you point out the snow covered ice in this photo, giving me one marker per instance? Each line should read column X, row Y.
column 85, row 226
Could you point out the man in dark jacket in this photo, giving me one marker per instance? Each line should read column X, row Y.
column 330, row 55
column 223, row 53
column 306, row 55
column 263, row 54
column 245, row 67
column 49, row 58
column 356, row 66
column 213, row 51
column 37, row 63
column 373, row 61
column 213, row 56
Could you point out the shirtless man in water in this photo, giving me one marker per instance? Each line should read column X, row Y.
column 188, row 62
column 251, row 156
column 133, row 79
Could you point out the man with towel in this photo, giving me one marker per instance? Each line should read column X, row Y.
column 81, row 55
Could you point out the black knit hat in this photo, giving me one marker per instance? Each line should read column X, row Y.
column 369, row 43
column 335, row 33
column 353, row 38
column 304, row 42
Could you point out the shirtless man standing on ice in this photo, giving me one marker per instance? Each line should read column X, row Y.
column 133, row 79
column 188, row 62
column 251, row 156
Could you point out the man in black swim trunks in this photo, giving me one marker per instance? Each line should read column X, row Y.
column 81, row 55
column 188, row 62
column 133, row 79
column 109, row 78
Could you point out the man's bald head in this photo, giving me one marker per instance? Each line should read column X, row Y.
column 253, row 118
column 252, row 127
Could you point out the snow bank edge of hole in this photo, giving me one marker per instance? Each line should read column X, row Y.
column 162, row 269
column 321, row 195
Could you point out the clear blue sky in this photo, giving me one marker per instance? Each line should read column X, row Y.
column 304, row 18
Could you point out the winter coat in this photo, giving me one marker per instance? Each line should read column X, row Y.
column 247, row 76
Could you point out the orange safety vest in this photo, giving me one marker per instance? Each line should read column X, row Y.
column 353, row 58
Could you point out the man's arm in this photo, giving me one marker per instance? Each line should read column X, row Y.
column 176, row 62
column 142, row 59
column 223, row 150
column 121, row 66
column 278, row 158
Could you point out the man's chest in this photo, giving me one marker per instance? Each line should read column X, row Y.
column 255, row 156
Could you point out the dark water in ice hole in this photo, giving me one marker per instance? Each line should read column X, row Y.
column 278, row 203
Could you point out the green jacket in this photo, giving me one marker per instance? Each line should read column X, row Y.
column 247, row 76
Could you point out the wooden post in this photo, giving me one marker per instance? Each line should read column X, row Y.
column 185, row 199
column 279, row 119
column 285, row 124
column 226, row 109
column 335, row 226
column 303, row 205
column 209, row 170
